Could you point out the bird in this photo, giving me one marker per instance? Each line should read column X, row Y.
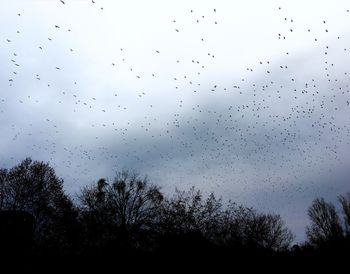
column 218, row 117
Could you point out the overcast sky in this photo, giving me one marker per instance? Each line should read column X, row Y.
column 249, row 99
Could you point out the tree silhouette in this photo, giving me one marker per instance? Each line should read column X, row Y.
column 236, row 226
column 345, row 203
column 126, row 205
column 33, row 187
column 129, row 218
column 248, row 228
column 268, row 231
column 181, row 213
column 96, row 217
column 187, row 222
column 325, row 224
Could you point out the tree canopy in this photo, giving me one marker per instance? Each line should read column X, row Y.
column 128, row 214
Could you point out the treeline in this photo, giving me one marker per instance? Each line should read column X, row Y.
column 128, row 215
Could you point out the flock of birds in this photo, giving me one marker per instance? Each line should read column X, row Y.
column 261, row 133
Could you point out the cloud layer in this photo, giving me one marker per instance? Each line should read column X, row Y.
column 249, row 100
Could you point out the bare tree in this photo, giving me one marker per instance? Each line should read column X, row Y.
column 134, row 201
column 238, row 226
column 269, row 232
column 249, row 228
column 129, row 201
column 345, row 203
column 325, row 224
column 3, row 188
column 181, row 213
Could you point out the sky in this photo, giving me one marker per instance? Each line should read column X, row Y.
column 248, row 99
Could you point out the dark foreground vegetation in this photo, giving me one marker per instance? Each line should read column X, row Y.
column 128, row 219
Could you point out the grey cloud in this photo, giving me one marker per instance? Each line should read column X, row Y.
column 233, row 135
